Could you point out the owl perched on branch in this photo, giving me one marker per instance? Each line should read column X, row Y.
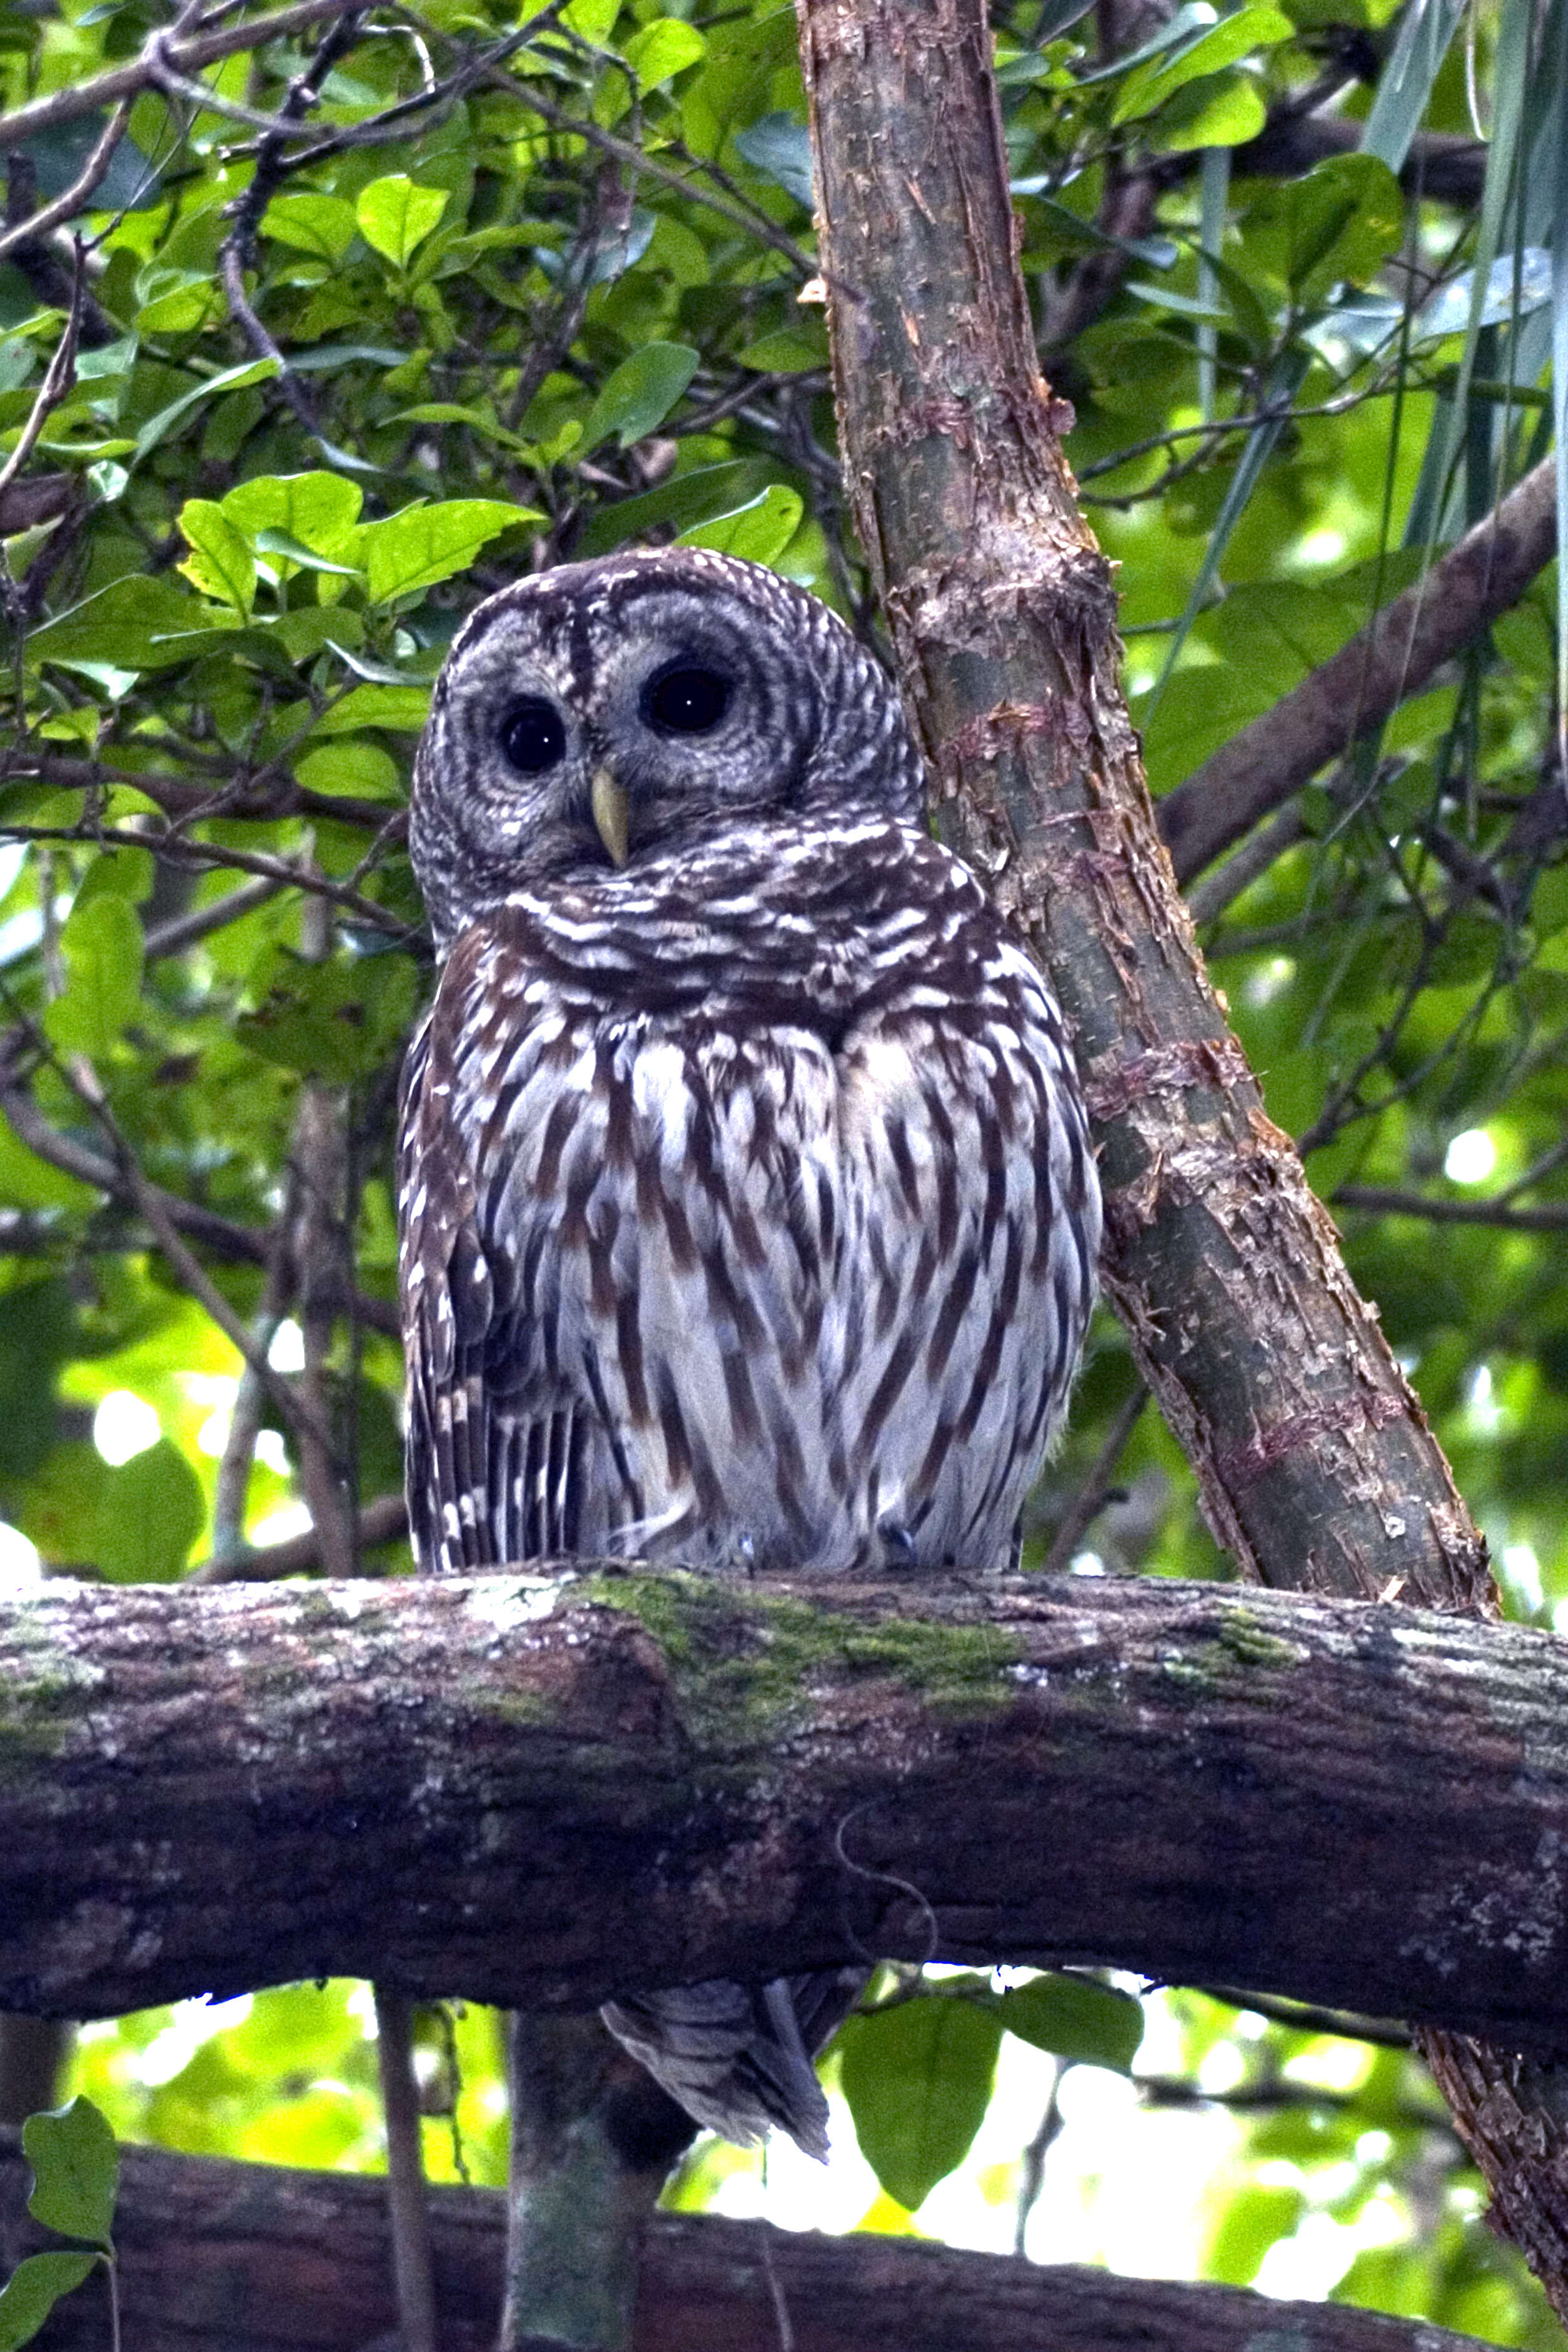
column 749, row 1218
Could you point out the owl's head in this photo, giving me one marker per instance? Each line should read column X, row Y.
column 603, row 713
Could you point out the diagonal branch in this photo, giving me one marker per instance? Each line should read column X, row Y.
column 1392, row 658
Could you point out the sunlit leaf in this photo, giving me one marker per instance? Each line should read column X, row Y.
column 758, row 532
column 1207, row 53
column 918, row 2079
column 663, row 49
column 312, row 222
column 319, row 509
column 220, row 563
column 424, row 544
column 100, row 947
column 397, row 215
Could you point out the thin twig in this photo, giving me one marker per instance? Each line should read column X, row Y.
column 139, row 73
column 406, row 2202
column 180, row 932
column 59, row 378
column 204, row 855
column 66, row 207
column 381, row 1521
column 1094, row 1493
column 1387, row 1201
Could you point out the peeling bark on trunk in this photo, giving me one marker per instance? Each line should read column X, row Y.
column 218, row 2257
column 1316, row 1464
column 543, row 1791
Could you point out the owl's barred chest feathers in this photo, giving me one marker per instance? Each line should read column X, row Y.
column 771, row 1155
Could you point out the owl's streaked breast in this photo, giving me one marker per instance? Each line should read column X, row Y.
column 784, row 1200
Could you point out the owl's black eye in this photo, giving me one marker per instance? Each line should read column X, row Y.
column 532, row 736
column 685, row 700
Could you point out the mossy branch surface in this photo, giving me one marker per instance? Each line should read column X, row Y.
column 543, row 1789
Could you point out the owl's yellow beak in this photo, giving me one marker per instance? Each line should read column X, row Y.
column 608, row 803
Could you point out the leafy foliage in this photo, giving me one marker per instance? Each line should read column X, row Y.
column 75, row 2178
column 500, row 291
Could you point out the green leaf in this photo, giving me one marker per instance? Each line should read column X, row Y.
column 101, row 945
column 423, row 543
column 330, row 1022
column 684, row 499
column 1153, row 84
column 37, row 1334
column 397, row 215
column 785, row 353
column 362, row 770
column 637, row 396
column 157, row 428
column 1340, row 220
column 318, row 510
column 759, row 532
column 152, row 1512
column 663, row 49
column 918, row 2078
column 323, row 225
column 75, row 2171
column 1077, row 2019
column 1221, row 111
column 402, row 708
column 132, row 625
column 592, row 20
column 32, row 2291
column 220, row 563
column 1251, row 2224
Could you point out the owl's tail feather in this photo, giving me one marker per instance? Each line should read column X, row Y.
column 738, row 2057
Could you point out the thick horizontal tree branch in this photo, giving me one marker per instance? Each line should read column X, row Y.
column 221, row 2257
column 1393, row 657
column 540, row 1791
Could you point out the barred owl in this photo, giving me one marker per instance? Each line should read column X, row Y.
column 748, row 1214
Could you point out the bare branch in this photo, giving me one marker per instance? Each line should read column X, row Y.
column 183, row 56
column 380, row 1522
column 66, row 207
column 1392, row 658
column 304, row 2257
column 1387, row 1201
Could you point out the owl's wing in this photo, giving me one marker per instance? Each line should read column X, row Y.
column 498, row 1445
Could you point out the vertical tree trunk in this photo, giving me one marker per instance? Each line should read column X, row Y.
column 1316, row 1464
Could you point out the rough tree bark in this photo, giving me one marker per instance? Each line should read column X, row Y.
column 218, row 2257
column 1315, row 1462
column 548, row 1790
